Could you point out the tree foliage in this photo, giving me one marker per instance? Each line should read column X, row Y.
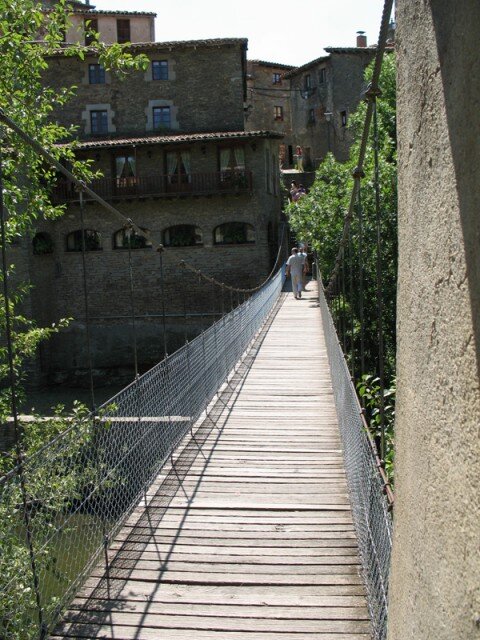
column 29, row 37
column 43, row 484
column 318, row 218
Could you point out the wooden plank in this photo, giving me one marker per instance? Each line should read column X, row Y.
column 281, row 612
column 136, row 620
column 130, row 633
column 255, row 540
column 281, row 595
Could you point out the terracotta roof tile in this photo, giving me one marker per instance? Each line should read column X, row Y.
column 105, row 12
column 175, row 139
column 277, row 65
column 306, row 66
column 160, row 46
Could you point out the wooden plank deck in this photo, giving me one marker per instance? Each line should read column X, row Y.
column 249, row 535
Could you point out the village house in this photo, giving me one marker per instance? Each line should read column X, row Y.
column 268, row 104
column 175, row 157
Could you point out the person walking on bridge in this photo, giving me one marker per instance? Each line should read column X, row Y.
column 295, row 268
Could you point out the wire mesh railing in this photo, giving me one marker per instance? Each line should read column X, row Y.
column 61, row 506
column 370, row 495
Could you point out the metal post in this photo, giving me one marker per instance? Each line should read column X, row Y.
column 162, row 294
column 360, row 280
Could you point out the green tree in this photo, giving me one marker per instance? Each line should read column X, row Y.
column 29, row 35
column 319, row 219
column 52, row 479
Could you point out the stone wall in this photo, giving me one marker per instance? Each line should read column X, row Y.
column 337, row 84
column 263, row 95
column 205, row 88
column 141, row 27
column 434, row 588
column 58, row 278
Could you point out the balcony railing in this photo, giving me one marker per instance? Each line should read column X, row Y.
column 160, row 186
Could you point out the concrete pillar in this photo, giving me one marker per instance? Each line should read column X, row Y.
column 435, row 592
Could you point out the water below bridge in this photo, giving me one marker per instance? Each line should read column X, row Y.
column 248, row 531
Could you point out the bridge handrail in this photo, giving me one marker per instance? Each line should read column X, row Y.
column 370, row 493
column 82, row 486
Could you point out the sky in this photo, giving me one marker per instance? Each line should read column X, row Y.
column 277, row 31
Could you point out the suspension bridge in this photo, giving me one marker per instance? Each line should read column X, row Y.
column 247, row 531
column 232, row 491
column 229, row 492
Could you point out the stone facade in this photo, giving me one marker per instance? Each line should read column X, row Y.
column 111, row 26
column 200, row 170
column 324, row 94
column 268, row 103
column 205, row 89
column 61, row 279
column 141, row 26
column 434, row 587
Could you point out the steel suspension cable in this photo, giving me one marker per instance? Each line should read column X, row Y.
column 129, row 233
column 83, row 187
column 379, row 283
column 352, row 309
column 371, row 93
column 360, row 282
column 343, row 296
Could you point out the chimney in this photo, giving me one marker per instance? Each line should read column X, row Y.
column 361, row 39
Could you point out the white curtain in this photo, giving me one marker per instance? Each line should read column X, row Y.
column 187, row 165
column 239, row 158
column 130, row 168
column 224, row 159
column 125, row 167
column 172, row 161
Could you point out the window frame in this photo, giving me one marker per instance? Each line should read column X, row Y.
column 161, row 65
column 123, row 27
column 161, row 109
column 307, row 82
column 197, row 235
column 343, row 118
column 145, row 243
column 77, row 236
column 248, row 228
column 322, row 75
column 42, row 244
column 276, row 78
column 96, row 71
column 104, row 121
column 311, row 116
column 278, row 113
column 92, row 26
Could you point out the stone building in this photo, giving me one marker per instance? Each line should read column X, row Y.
column 324, row 93
column 111, row 26
column 268, row 103
column 174, row 155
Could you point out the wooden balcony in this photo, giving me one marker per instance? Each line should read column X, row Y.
column 160, row 186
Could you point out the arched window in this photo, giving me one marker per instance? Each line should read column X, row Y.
column 182, row 235
column 92, row 240
column 234, row 233
column 120, row 240
column 42, row 243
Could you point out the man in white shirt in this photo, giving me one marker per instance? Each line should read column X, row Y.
column 295, row 268
column 303, row 252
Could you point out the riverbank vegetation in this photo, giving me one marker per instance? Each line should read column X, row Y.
column 318, row 218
